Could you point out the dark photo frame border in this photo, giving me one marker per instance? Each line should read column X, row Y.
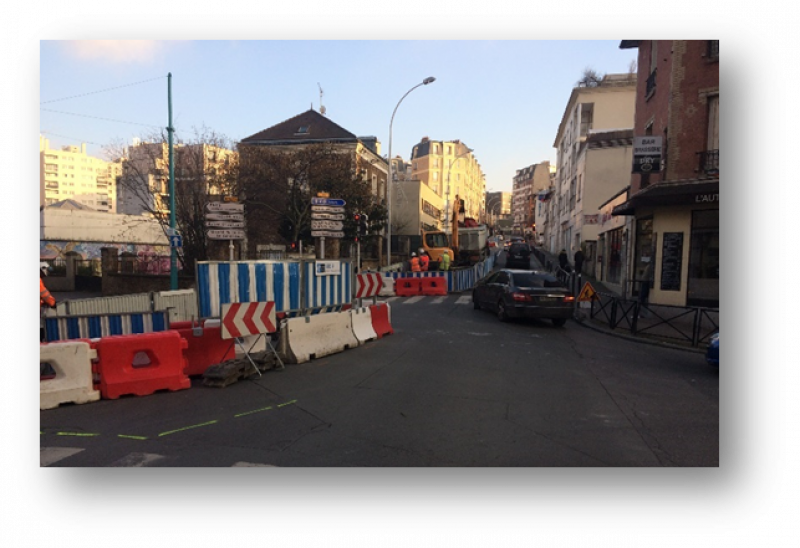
column 457, row 499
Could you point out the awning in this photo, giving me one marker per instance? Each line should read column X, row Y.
column 673, row 193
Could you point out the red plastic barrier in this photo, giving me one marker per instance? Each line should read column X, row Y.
column 435, row 285
column 206, row 350
column 407, row 287
column 181, row 325
column 380, row 319
column 141, row 364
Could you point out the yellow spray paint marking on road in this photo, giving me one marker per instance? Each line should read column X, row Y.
column 254, row 411
column 132, row 437
column 287, row 403
column 79, row 434
column 186, row 428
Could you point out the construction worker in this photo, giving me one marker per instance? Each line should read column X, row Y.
column 414, row 262
column 445, row 264
column 45, row 298
column 424, row 259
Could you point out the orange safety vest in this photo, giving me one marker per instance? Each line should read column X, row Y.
column 423, row 262
column 44, row 295
column 414, row 264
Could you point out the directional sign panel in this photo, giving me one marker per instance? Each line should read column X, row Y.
column 225, row 234
column 243, row 319
column 326, row 209
column 326, row 234
column 327, row 201
column 327, row 216
column 224, row 206
column 326, row 225
column 175, row 241
column 225, row 224
column 224, row 217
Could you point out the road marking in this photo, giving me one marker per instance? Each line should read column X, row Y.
column 464, row 299
column 77, row 434
column 254, row 411
column 413, row 300
column 131, row 437
column 51, row 455
column 136, row 460
column 186, row 428
column 439, row 300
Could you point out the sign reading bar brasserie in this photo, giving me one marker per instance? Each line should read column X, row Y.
column 647, row 154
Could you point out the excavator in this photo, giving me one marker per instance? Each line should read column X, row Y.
column 467, row 245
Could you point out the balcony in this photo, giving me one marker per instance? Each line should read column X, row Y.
column 709, row 162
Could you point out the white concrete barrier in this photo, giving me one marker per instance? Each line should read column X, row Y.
column 72, row 364
column 361, row 319
column 309, row 337
column 388, row 287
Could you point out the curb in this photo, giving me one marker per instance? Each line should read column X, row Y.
column 634, row 338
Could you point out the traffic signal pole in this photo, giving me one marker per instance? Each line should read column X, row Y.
column 173, row 266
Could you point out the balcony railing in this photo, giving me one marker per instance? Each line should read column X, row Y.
column 709, row 162
column 650, row 86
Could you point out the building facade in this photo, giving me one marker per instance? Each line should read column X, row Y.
column 528, row 183
column 70, row 173
column 415, row 207
column 450, row 169
column 676, row 207
column 605, row 110
column 498, row 206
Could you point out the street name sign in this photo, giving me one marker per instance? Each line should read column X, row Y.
column 224, row 217
column 225, row 234
column 327, row 216
column 326, row 209
column 327, row 225
column 327, row 202
column 224, row 206
column 326, row 234
column 225, row 224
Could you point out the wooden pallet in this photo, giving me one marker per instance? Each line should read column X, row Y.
column 231, row 371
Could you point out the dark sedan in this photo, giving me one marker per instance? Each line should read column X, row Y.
column 524, row 294
column 519, row 255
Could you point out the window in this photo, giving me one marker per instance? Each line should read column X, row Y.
column 436, row 149
column 713, row 49
column 435, row 175
column 436, row 162
column 587, row 117
column 302, row 130
column 713, row 123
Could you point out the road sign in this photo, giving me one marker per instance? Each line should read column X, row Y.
column 327, row 202
column 588, row 293
column 242, row 319
column 368, row 285
column 175, row 241
column 327, row 225
column 225, row 224
column 327, row 268
column 224, row 217
column 326, row 234
column 225, row 234
column 326, row 209
column 223, row 206
column 327, row 216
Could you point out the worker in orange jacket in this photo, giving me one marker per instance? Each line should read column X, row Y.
column 414, row 263
column 424, row 259
column 45, row 298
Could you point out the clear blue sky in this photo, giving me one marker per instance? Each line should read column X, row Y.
column 502, row 98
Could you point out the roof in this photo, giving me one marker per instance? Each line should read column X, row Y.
column 628, row 44
column 70, row 204
column 310, row 126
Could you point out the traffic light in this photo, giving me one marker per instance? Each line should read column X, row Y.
column 362, row 225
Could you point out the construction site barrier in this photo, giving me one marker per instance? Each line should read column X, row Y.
column 362, row 324
column 71, row 363
column 433, row 286
column 388, row 287
column 104, row 325
column 141, row 364
column 381, row 316
column 407, row 287
column 309, row 337
column 206, row 347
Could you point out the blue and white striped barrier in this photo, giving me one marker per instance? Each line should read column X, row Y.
column 104, row 325
column 457, row 280
column 332, row 290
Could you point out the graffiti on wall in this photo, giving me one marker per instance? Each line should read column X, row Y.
column 155, row 257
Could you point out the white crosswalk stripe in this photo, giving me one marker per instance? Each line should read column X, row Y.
column 412, row 300
column 137, row 460
column 439, row 300
column 51, row 455
column 464, row 299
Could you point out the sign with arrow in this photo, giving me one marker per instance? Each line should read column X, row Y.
column 368, row 285
column 326, row 234
column 225, row 234
column 326, row 225
column 327, row 202
column 224, row 217
column 243, row 319
column 327, row 216
column 224, row 206
column 326, row 209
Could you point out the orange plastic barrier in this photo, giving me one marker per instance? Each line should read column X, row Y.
column 205, row 350
column 407, row 287
column 435, row 285
column 141, row 364
column 381, row 322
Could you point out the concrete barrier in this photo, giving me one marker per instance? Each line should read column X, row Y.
column 303, row 339
column 72, row 364
column 362, row 324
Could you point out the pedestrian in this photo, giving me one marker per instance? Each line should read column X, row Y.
column 563, row 261
column 414, row 262
column 579, row 260
column 445, row 264
column 644, row 289
column 45, row 298
column 424, row 259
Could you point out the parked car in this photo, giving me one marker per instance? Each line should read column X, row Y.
column 524, row 294
column 712, row 352
column 519, row 254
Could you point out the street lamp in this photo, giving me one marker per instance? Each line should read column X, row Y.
column 425, row 82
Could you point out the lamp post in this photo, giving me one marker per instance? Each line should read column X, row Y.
column 449, row 167
column 425, row 82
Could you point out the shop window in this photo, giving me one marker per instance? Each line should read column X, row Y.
column 703, row 288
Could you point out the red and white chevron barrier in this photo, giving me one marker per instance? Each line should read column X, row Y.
column 242, row 319
column 368, row 285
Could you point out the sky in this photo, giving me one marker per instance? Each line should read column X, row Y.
column 504, row 99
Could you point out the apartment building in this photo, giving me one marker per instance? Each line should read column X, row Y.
column 70, row 173
column 591, row 143
column 450, row 169
column 498, row 206
column 527, row 184
column 415, row 207
column 674, row 204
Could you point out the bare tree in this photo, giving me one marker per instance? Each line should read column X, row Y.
column 590, row 78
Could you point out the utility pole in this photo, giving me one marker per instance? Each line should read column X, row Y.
column 173, row 266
